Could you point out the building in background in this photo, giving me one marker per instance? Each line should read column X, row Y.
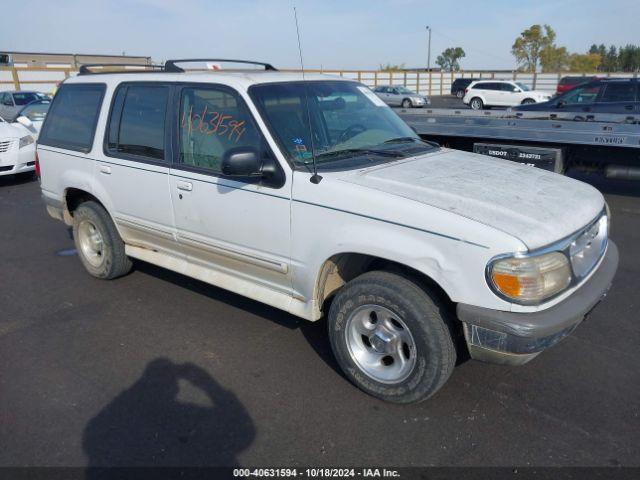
column 65, row 60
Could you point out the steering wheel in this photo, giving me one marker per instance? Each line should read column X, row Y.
column 351, row 132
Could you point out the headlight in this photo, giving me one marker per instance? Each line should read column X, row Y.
column 26, row 140
column 530, row 280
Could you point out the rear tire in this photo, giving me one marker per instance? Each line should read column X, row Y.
column 460, row 93
column 406, row 103
column 98, row 242
column 476, row 103
column 391, row 338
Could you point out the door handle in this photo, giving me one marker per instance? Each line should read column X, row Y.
column 105, row 169
column 186, row 186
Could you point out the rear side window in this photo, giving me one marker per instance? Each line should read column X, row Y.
column 137, row 121
column 71, row 121
column 619, row 92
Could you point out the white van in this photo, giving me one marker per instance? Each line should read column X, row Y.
column 308, row 193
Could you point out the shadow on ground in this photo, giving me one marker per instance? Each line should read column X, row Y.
column 150, row 424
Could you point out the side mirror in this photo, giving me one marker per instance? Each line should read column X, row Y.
column 518, row 90
column 242, row 162
column 8, row 103
column 560, row 104
column 22, row 120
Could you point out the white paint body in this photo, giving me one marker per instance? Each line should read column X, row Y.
column 14, row 159
column 446, row 214
column 509, row 95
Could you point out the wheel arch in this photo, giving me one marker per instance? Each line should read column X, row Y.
column 337, row 270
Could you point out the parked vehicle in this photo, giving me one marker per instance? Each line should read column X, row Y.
column 311, row 195
column 501, row 93
column 32, row 116
column 17, row 149
column 567, row 83
column 400, row 96
column 11, row 102
column 459, row 86
column 605, row 95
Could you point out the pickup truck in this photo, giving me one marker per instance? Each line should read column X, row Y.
column 309, row 194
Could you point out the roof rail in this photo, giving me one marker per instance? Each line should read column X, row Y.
column 170, row 65
column 86, row 68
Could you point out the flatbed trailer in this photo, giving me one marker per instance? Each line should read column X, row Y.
column 558, row 141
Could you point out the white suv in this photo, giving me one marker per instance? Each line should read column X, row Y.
column 501, row 93
column 311, row 195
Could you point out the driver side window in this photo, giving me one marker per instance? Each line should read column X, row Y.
column 212, row 121
column 582, row 95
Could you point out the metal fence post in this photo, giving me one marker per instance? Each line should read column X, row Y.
column 417, row 82
column 430, row 75
column 16, row 79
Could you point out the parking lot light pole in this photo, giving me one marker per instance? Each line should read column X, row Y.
column 429, row 50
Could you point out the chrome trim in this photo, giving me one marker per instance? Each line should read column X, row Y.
column 562, row 246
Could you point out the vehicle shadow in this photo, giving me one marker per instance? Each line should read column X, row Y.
column 148, row 425
column 314, row 332
column 19, row 179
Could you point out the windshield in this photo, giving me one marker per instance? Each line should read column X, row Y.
column 348, row 123
column 405, row 91
column 23, row 98
column 523, row 87
column 36, row 111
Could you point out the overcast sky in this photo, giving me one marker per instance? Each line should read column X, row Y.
column 358, row 34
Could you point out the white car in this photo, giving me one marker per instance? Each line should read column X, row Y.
column 17, row 149
column 501, row 93
column 308, row 193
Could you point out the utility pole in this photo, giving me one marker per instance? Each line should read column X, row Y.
column 429, row 50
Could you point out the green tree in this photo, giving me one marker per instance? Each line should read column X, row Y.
column 390, row 67
column 584, row 62
column 554, row 59
column 610, row 60
column 448, row 60
column 629, row 58
column 530, row 43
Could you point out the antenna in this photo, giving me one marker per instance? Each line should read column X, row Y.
column 315, row 178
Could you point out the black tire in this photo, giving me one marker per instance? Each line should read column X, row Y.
column 528, row 101
column 421, row 314
column 476, row 103
column 406, row 103
column 112, row 262
column 460, row 93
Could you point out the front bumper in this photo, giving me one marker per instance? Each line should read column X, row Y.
column 515, row 338
column 17, row 160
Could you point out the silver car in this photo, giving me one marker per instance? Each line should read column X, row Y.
column 397, row 96
column 12, row 102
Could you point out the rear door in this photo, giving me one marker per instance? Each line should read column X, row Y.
column 132, row 172
column 492, row 93
column 618, row 97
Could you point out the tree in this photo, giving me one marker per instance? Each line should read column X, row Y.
column 530, row 43
column 448, row 60
column 391, row 68
column 610, row 60
column 587, row 62
column 554, row 59
column 629, row 58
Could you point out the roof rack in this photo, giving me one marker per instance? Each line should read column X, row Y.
column 86, row 68
column 170, row 65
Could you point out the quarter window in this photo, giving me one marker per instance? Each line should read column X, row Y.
column 137, row 122
column 213, row 121
column 582, row 95
column 72, row 118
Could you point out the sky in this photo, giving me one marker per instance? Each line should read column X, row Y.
column 347, row 34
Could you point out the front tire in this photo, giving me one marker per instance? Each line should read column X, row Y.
column 528, row 101
column 391, row 338
column 98, row 242
column 476, row 103
column 406, row 103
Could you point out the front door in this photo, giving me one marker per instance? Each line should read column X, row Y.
column 237, row 229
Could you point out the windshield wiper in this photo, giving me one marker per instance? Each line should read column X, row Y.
column 411, row 139
column 373, row 151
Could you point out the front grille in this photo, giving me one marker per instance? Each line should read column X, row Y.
column 587, row 248
column 5, row 145
column 6, row 169
column 30, row 164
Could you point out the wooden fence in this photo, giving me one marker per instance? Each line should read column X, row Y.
column 429, row 83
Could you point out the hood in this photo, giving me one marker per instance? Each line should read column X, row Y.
column 12, row 130
column 534, row 205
